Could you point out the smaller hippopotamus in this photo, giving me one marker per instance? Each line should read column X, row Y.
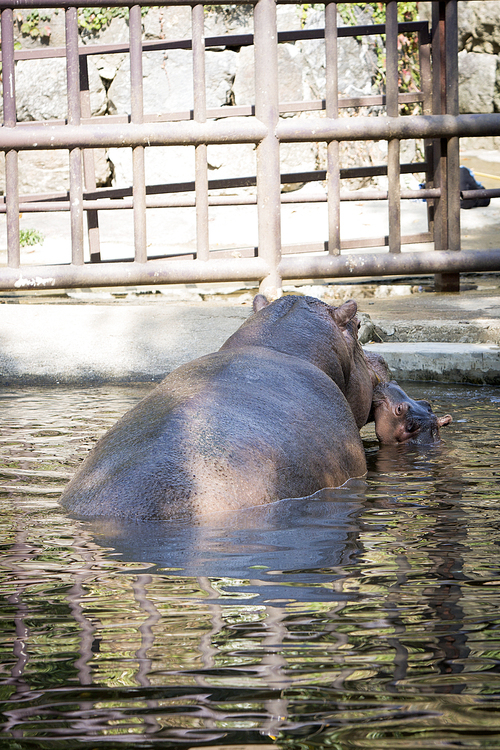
column 400, row 419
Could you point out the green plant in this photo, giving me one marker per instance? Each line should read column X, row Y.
column 30, row 237
column 95, row 19
column 30, row 25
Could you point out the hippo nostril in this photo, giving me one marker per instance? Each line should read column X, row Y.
column 412, row 425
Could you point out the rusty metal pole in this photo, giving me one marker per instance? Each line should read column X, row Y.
column 450, row 282
column 268, row 161
column 424, row 59
column 75, row 154
column 392, row 108
column 137, row 117
column 200, row 115
column 11, row 156
column 89, row 165
column 452, row 108
column 332, row 110
column 440, row 144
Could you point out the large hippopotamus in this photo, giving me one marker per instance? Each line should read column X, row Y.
column 274, row 414
column 400, row 419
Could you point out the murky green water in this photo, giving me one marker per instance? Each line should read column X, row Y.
column 366, row 617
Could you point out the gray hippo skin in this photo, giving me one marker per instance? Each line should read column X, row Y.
column 400, row 419
column 265, row 418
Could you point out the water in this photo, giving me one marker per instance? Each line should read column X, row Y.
column 366, row 617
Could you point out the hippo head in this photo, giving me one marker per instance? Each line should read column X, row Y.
column 400, row 419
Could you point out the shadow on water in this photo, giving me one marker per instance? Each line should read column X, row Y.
column 364, row 617
column 292, row 541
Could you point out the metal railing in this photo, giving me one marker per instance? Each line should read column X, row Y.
column 439, row 125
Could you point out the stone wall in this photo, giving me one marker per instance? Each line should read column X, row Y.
column 479, row 54
column 41, row 88
column 41, row 91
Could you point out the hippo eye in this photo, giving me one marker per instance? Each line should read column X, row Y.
column 399, row 410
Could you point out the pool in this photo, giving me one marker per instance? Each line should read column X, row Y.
column 364, row 617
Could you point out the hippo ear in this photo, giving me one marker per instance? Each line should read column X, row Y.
column 443, row 421
column 259, row 302
column 346, row 312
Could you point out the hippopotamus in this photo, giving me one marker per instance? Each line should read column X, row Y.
column 274, row 414
column 400, row 419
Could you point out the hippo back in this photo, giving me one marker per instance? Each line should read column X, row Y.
column 240, row 427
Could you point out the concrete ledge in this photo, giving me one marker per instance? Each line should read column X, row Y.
column 88, row 343
column 449, row 363
column 59, row 343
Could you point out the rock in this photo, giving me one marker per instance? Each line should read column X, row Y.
column 477, row 80
column 479, row 26
column 366, row 330
column 357, row 62
column 228, row 19
column 41, row 89
column 168, row 81
column 243, row 87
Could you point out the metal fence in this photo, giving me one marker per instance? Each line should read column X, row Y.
column 439, row 124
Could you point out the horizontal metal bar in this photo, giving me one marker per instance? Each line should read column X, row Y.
column 173, row 201
column 111, row 3
column 381, row 195
column 247, row 130
column 230, row 269
column 389, row 264
column 230, row 183
column 376, row 170
column 243, row 110
column 187, row 271
column 484, row 193
column 223, row 40
column 126, row 274
column 386, row 128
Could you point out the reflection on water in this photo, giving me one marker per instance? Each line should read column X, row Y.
column 365, row 617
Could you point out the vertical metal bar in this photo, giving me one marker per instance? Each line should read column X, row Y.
column 451, row 15
column 439, row 108
column 424, row 59
column 450, row 158
column 332, row 110
column 89, row 165
column 9, row 121
column 200, row 115
column 268, row 161
column 137, row 116
column 446, row 160
column 392, row 105
column 75, row 154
